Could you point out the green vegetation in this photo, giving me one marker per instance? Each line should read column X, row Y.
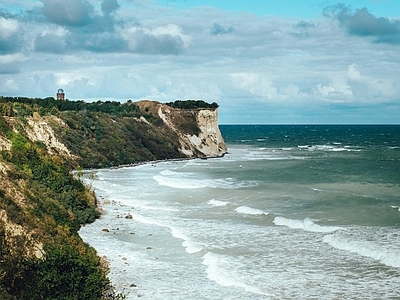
column 40, row 196
column 23, row 107
column 102, row 134
column 192, row 104
column 53, row 207
column 68, row 269
column 104, row 140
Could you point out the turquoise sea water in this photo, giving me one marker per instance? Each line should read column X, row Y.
column 291, row 212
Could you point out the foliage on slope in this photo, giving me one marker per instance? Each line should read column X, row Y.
column 101, row 134
column 42, row 207
column 104, row 140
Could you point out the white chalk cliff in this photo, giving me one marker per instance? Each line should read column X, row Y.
column 206, row 141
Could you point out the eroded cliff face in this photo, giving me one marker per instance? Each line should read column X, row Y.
column 197, row 129
column 40, row 130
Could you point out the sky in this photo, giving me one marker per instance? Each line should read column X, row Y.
column 262, row 61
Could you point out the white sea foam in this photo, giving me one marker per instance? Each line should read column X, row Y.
column 189, row 245
column 372, row 250
column 333, row 148
column 395, row 207
column 214, row 202
column 264, row 155
column 181, row 183
column 250, row 211
column 315, row 189
column 156, row 208
column 168, row 172
column 217, row 271
column 306, row 224
column 191, row 183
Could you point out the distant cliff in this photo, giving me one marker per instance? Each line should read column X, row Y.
column 42, row 205
column 197, row 129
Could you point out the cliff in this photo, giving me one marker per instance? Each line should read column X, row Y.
column 42, row 205
column 197, row 129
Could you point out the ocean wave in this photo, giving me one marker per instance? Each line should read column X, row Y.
column 306, row 225
column 250, row 211
column 168, row 172
column 329, row 148
column 372, row 250
column 190, row 183
column 156, row 208
column 395, row 207
column 218, row 271
column 182, row 183
column 214, row 202
column 189, row 245
column 260, row 155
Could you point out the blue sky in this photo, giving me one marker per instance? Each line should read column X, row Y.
column 265, row 62
column 288, row 8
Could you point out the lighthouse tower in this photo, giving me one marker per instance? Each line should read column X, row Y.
column 60, row 94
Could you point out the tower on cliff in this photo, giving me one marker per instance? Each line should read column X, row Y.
column 60, row 94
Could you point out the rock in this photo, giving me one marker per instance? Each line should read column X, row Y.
column 148, row 248
column 128, row 216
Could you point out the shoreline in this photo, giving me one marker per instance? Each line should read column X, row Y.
column 105, row 262
column 136, row 164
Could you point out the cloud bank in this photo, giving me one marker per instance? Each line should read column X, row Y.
column 341, row 67
column 362, row 23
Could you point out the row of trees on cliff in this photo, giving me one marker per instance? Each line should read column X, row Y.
column 22, row 107
column 192, row 104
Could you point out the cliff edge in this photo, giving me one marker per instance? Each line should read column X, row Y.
column 196, row 129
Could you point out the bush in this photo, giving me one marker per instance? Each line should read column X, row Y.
column 66, row 271
column 192, row 104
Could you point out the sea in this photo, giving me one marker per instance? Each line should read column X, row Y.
column 290, row 212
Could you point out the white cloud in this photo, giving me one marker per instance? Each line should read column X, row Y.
column 323, row 91
column 378, row 89
column 353, row 73
column 136, row 50
column 166, row 39
column 174, row 31
column 8, row 27
column 11, row 58
column 256, row 84
column 11, row 86
column 293, row 92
